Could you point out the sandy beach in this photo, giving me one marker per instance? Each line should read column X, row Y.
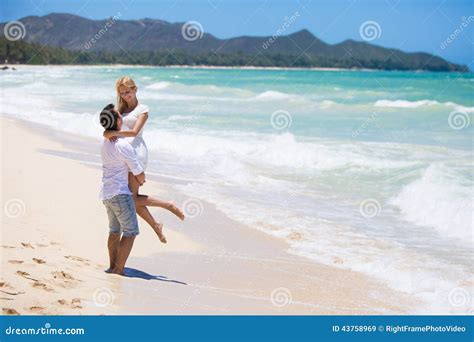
column 53, row 249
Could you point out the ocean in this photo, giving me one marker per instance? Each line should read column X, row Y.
column 365, row 170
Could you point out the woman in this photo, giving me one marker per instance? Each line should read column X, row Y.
column 135, row 116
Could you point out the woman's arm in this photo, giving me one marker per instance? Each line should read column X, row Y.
column 142, row 118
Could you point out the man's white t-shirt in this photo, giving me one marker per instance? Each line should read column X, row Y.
column 118, row 159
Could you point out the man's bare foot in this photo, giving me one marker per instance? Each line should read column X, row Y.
column 159, row 231
column 109, row 270
column 175, row 210
column 117, row 271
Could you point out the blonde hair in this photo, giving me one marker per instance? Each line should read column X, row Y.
column 127, row 82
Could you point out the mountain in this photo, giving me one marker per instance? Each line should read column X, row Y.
column 135, row 39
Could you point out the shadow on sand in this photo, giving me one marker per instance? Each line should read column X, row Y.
column 134, row 273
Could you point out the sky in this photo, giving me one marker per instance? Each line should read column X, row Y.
column 410, row 25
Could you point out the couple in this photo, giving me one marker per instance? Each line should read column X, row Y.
column 124, row 160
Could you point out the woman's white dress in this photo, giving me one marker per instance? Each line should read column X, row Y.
column 129, row 120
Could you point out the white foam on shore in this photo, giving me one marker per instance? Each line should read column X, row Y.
column 183, row 118
column 282, row 151
column 182, row 91
column 421, row 103
column 158, row 85
column 405, row 104
column 271, row 95
column 438, row 201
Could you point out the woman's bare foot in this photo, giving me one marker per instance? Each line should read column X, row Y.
column 159, row 231
column 175, row 210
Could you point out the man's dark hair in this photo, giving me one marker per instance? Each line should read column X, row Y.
column 109, row 117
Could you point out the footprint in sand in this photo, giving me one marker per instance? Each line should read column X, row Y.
column 75, row 303
column 62, row 275
column 15, row 261
column 337, row 260
column 25, row 275
column 42, row 286
column 65, row 279
column 5, row 246
column 5, row 285
column 9, row 311
column 11, row 293
column 295, row 236
column 8, row 289
column 39, row 261
column 41, row 245
column 27, row 245
column 36, row 308
column 76, row 258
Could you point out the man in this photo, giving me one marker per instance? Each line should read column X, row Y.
column 118, row 159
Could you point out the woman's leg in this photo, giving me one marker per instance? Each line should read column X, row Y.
column 142, row 210
column 148, row 201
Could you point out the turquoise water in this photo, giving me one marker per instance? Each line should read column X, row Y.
column 371, row 171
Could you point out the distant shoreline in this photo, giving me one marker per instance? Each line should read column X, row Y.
column 191, row 67
column 223, row 67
